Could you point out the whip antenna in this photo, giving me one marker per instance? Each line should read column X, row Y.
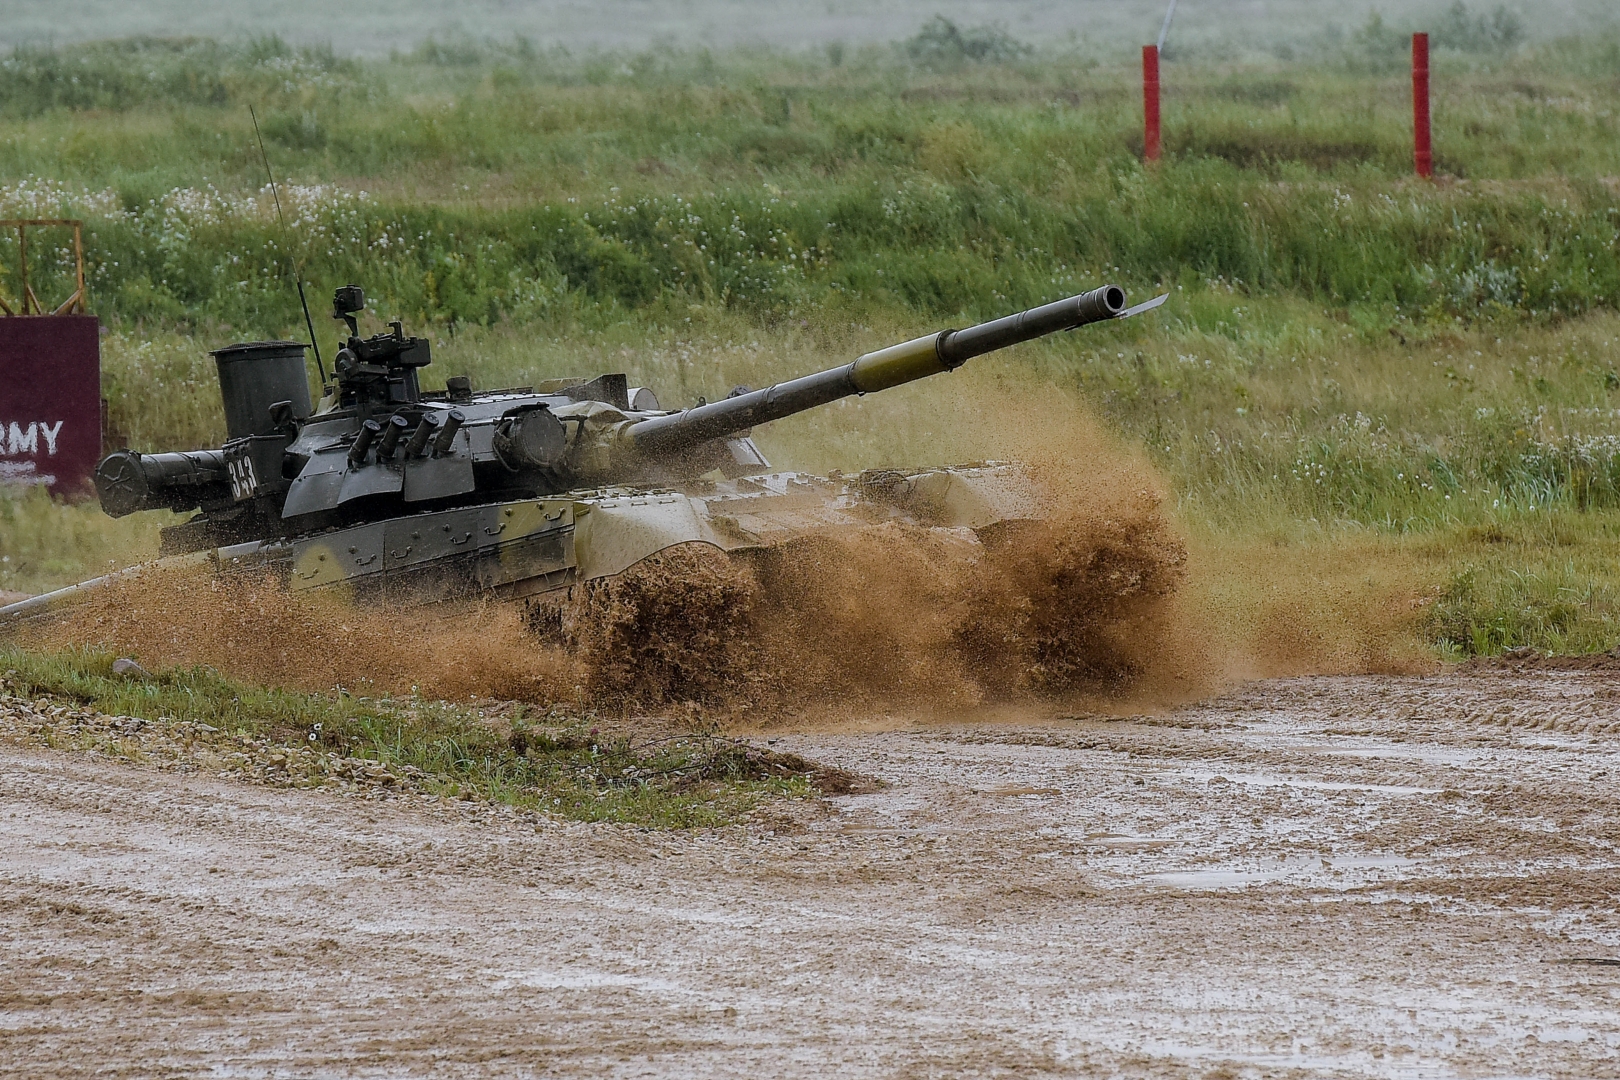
column 297, row 277
column 1164, row 31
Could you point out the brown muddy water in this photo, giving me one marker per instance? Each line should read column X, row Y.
column 1327, row 877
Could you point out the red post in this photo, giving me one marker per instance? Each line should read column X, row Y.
column 1422, row 151
column 1150, row 102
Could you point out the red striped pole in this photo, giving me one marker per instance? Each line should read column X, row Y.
column 1422, row 151
column 1150, row 102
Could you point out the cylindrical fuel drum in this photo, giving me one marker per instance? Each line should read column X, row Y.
column 253, row 376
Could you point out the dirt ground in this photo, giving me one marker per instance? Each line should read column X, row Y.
column 1374, row 876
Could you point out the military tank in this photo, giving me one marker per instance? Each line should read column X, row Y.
column 383, row 487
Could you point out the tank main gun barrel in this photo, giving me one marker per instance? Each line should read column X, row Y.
column 933, row 354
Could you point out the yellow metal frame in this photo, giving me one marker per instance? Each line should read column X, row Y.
column 30, row 302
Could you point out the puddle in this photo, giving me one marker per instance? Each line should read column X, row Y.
column 1348, row 872
column 1429, row 755
column 584, row 980
column 1125, row 843
column 1261, row 780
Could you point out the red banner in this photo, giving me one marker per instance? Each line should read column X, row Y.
column 50, row 400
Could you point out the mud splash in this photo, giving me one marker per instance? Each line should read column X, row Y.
column 888, row 613
column 249, row 625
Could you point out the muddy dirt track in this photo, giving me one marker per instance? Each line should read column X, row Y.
column 1319, row 877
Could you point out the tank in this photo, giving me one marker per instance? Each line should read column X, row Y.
column 381, row 486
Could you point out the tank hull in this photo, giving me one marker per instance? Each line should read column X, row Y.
column 527, row 547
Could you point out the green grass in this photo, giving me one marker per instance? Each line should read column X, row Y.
column 1545, row 582
column 1349, row 353
column 556, row 762
column 498, row 190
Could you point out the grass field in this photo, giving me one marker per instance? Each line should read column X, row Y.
column 1381, row 391
column 554, row 761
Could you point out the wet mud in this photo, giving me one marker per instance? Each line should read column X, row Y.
column 1326, row 877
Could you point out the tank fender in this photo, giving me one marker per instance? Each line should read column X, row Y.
column 614, row 532
column 971, row 497
column 495, row 545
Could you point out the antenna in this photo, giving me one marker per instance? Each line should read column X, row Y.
column 297, row 278
column 1164, row 31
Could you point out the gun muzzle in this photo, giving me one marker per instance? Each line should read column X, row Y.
column 949, row 350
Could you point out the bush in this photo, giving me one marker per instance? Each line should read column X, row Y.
column 941, row 45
